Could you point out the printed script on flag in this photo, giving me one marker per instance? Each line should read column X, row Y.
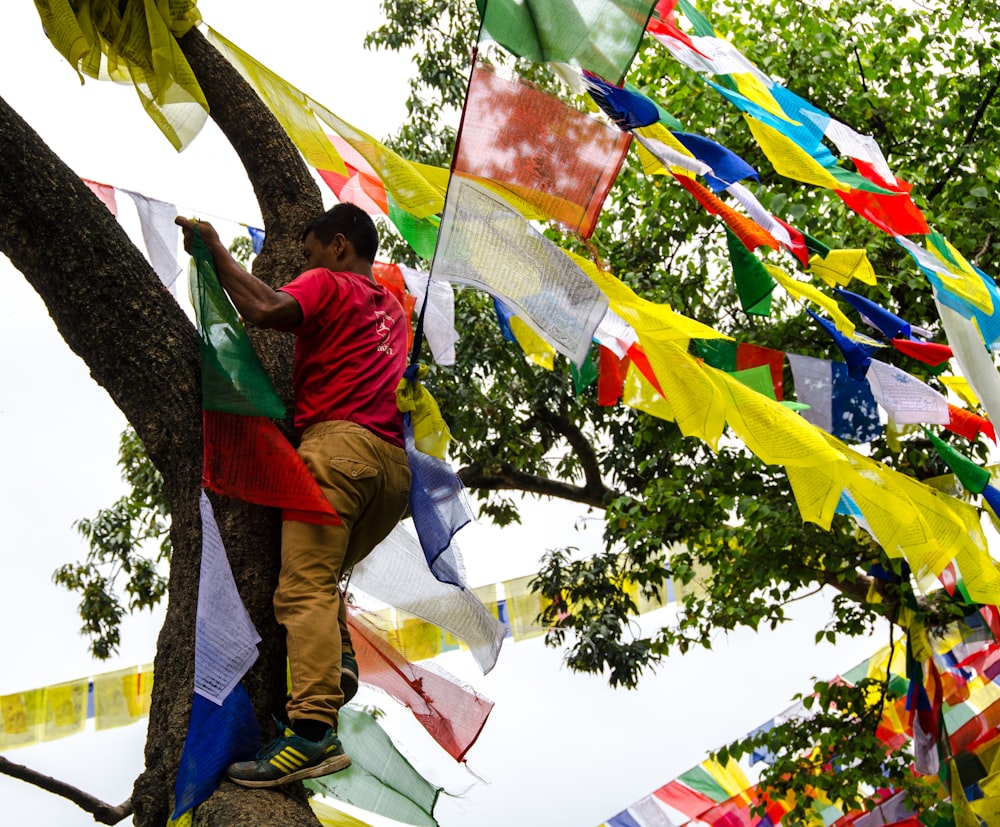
column 485, row 243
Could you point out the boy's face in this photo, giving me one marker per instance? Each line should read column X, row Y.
column 331, row 256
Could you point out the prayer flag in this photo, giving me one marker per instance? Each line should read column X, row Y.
column 519, row 140
column 855, row 355
column 232, row 377
column 894, row 212
column 161, row 235
column 842, row 266
column 727, row 166
column 438, row 507
column 379, row 779
column 887, row 323
column 906, row 399
column 225, row 644
column 105, row 192
column 628, row 108
column 435, row 304
column 217, row 736
column 485, row 243
column 967, row 424
column 753, row 283
column 748, row 231
column 611, row 377
column 838, row 403
column 972, row 477
column 452, row 713
column 399, row 573
column 930, row 353
column 247, row 457
column 601, row 36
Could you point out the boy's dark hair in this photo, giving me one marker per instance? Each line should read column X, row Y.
column 350, row 221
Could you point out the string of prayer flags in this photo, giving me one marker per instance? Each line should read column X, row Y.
column 416, row 188
column 399, row 573
column 601, row 36
column 485, row 243
column 379, row 779
column 439, row 508
column 134, row 43
column 519, row 140
column 247, row 457
column 453, row 714
column 754, row 284
column 838, row 403
column 905, row 398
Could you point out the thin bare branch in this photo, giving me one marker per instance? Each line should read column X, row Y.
column 102, row 812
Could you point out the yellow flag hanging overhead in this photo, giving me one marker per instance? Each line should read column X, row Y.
column 416, row 188
column 134, row 42
column 839, row 267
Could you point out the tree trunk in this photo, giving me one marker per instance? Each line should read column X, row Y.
column 112, row 310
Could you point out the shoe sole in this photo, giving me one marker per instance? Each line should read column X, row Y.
column 334, row 763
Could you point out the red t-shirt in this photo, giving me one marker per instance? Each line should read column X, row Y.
column 350, row 352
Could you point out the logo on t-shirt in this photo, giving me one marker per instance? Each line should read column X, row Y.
column 383, row 327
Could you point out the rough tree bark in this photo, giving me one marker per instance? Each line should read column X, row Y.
column 114, row 313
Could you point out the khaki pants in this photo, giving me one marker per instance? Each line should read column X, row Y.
column 367, row 480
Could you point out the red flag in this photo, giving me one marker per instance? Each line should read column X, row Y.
column 895, row 214
column 451, row 712
column 638, row 357
column 969, row 425
column 798, row 246
column 247, row 457
column 610, row 377
column 930, row 353
column 752, row 356
column 542, row 151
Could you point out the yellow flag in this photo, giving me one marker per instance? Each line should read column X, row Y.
column 638, row 393
column 841, row 266
column 789, row 159
column 806, row 292
column 752, row 87
column 535, row 348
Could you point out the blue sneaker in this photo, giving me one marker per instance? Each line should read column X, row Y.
column 290, row 757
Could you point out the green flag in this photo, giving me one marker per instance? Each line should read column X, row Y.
column 753, row 283
column 232, row 377
column 380, row 779
column 972, row 477
column 601, row 36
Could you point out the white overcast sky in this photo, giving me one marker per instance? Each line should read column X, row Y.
column 559, row 748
